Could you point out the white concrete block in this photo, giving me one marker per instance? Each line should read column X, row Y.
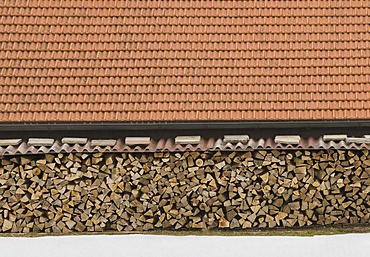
column 7, row 142
column 103, row 142
column 74, row 140
column 184, row 140
column 327, row 138
column 236, row 138
column 41, row 141
column 357, row 140
column 288, row 139
column 137, row 140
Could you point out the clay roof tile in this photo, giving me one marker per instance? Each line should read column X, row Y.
column 170, row 60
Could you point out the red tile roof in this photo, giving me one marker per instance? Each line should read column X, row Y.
column 98, row 60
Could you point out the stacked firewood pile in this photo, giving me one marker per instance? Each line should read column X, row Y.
column 189, row 190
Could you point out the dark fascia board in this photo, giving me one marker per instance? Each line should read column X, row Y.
column 183, row 125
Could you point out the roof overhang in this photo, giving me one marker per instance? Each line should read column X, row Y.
column 183, row 125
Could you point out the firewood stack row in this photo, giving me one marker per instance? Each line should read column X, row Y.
column 62, row 193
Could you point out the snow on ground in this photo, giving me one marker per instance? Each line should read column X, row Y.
column 190, row 246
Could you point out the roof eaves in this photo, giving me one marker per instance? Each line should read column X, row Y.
column 183, row 125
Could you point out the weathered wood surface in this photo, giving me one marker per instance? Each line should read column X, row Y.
column 191, row 190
